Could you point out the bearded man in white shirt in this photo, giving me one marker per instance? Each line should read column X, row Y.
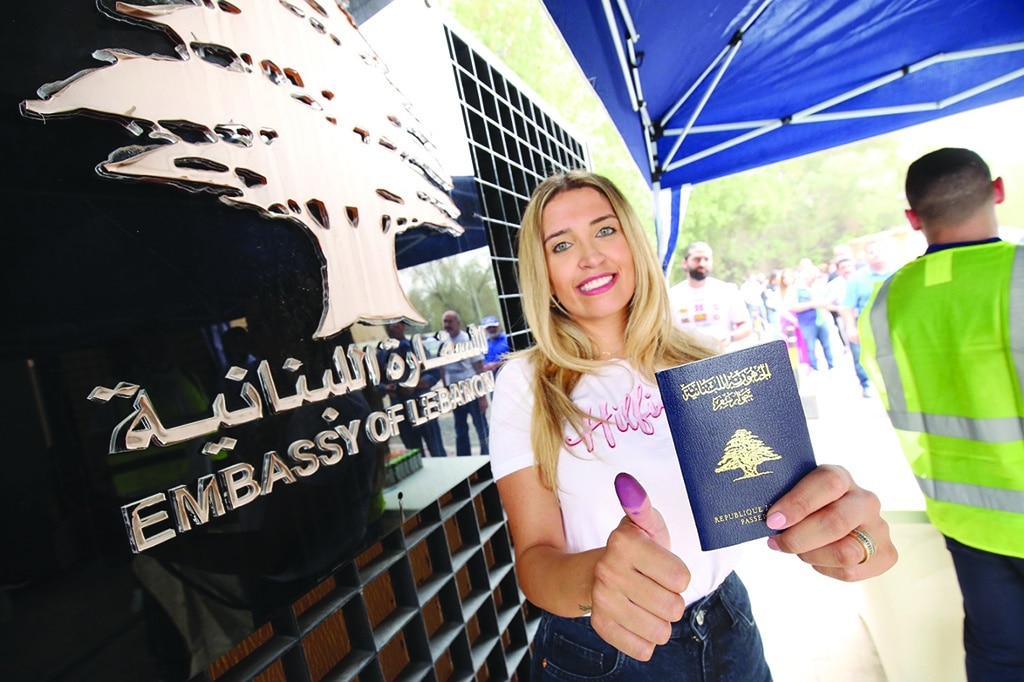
column 709, row 306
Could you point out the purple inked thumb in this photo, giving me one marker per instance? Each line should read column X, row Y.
column 638, row 508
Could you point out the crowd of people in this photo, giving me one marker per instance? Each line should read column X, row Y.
column 815, row 306
column 427, row 437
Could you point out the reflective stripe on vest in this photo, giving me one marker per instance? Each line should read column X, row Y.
column 973, row 495
column 1016, row 313
column 1001, row 430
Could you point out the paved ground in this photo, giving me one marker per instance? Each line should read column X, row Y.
column 812, row 625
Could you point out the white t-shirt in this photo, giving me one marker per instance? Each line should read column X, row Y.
column 713, row 309
column 636, row 441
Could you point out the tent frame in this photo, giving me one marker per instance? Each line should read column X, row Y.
column 619, row 24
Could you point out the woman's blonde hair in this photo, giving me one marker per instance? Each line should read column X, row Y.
column 562, row 352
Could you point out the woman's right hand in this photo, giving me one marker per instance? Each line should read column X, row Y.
column 637, row 581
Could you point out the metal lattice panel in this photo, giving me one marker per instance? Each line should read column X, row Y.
column 515, row 144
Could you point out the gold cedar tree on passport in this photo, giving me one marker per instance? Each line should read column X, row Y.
column 740, row 436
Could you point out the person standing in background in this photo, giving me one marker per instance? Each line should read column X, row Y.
column 806, row 300
column 835, row 293
column 943, row 338
column 859, row 288
column 454, row 372
column 752, row 291
column 773, row 301
column 497, row 343
column 413, row 437
column 706, row 305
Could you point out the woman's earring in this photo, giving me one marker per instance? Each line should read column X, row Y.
column 556, row 304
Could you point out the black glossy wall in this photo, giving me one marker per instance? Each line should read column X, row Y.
column 110, row 282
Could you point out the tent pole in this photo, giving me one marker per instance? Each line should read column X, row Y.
column 775, row 125
column 737, row 37
column 613, row 31
column 669, row 210
column 660, row 228
column 703, row 102
column 631, row 72
column 914, row 108
column 813, row 113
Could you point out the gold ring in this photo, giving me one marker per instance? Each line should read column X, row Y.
column 866, row 541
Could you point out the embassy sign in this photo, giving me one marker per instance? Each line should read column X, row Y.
column 163, row 515
column 284, row 109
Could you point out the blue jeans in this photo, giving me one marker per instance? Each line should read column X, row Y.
column 462, row 413
column 427, row 433
column 716, row 639
column 812, row 332
column 431, row 434
column 992, row 586
column 861, row 374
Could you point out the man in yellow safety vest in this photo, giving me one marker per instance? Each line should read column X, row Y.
column 943, row 339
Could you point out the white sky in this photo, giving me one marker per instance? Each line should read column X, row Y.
column 996, row 132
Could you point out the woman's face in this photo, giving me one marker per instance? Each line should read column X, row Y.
column 590, row 265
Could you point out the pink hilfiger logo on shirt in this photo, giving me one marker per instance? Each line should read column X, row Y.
column 637, row 412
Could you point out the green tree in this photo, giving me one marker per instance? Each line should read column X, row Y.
column 773, row 216
column 733, row 215
column 462, row 283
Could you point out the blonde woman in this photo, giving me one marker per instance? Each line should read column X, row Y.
column 629, row 597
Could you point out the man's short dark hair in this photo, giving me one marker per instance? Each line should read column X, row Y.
column 947, row 186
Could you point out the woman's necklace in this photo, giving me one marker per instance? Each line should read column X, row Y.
column 611, row 353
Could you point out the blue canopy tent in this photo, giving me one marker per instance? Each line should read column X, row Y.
column 703, row 89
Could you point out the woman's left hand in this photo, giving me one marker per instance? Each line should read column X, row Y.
column 818, row 518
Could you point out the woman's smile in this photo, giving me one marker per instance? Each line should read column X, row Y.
column 596, row 285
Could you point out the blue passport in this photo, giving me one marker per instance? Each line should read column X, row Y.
column 741, row 438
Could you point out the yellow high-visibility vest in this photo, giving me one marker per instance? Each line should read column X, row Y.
column 943, row 339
